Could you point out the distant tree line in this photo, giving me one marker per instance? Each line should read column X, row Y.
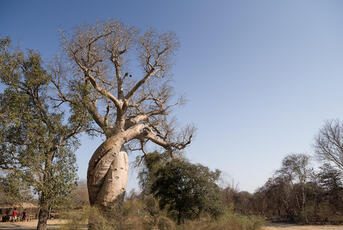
column 297, row 192
column 318, row 198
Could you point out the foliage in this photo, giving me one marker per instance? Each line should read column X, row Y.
column 37, row 142
column 14, row 190
column 187, row 190
column 330, row 181
column 295, row 168
column 152, row 162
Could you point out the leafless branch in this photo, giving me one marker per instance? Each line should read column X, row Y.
column 329, row 143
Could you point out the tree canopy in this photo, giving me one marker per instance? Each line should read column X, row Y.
column 184, row 189
column 37, row 141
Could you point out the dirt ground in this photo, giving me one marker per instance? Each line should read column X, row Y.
column 56, row 224
column 29, row 225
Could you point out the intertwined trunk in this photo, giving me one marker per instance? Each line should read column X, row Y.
column 108, row 173
column 123, row 106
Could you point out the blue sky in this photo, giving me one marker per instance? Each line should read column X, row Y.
column 260, row 77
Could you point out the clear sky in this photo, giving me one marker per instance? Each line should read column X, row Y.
column 260, row 77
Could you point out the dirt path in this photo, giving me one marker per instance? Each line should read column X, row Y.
column 29, row 225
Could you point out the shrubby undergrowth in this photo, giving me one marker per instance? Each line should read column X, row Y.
column 137, row 214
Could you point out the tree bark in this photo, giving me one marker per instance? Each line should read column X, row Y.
column 107, row 173
column 43, row 217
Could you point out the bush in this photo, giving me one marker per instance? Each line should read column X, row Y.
column 135, row 214
column 145, row 214
column 187, row 190
column 78, row 219
column 229, row 221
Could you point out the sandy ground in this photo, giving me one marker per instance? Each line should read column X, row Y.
column 56, row 224
column 28, row 225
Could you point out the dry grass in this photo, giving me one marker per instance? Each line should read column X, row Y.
column 302, row 227
column 57, row 224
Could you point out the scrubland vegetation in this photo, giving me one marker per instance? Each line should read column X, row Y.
column 296, row 193
column 175, row 194
column 44, row 109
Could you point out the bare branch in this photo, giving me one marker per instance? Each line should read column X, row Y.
column 140, row 83
column 329, row 143
column 170, row 146
column 104, row 92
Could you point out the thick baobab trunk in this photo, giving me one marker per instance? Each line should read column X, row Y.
column 107, row 173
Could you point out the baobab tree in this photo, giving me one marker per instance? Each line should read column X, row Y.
column 120, row 77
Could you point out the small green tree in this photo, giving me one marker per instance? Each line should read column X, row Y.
column 37, row 142
column 187, row 190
